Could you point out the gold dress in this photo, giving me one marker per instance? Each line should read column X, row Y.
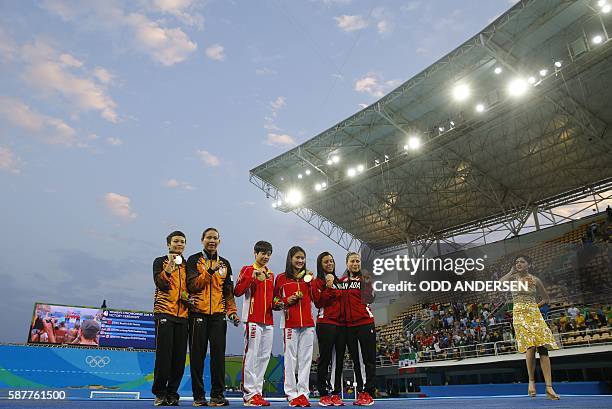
column 530, row 328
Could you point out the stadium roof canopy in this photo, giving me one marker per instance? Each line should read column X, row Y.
column 518, row 156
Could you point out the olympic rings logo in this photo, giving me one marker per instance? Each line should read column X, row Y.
column 97, row 361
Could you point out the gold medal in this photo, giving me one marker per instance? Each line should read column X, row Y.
column 308, row 278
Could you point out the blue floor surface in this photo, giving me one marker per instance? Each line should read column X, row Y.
column 566, row 402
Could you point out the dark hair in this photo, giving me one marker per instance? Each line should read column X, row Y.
column 288, row 266
column 175, row 233
column 320, row 272
column 262, row 247
column 349, row 254
column 523, row 256
column 207, row 230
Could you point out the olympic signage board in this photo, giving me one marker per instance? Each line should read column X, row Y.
column 73, row 325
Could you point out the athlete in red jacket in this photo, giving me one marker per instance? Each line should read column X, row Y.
column 256, row 283
column 359, row 322
column 330, row 332
column 293, row 289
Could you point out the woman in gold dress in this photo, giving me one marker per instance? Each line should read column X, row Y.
column 531, row 331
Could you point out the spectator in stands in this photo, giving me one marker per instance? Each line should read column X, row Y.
column 61, row 332
column 609, row 213
column 89, row 333
column 531, row 330
column 573, row 312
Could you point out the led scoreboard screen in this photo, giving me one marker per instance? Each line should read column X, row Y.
column 124, row 329
column 72, row 325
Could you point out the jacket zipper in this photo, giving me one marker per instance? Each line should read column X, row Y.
column 300, row 307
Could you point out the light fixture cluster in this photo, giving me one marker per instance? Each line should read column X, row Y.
column 604, row 6
column 516, row 87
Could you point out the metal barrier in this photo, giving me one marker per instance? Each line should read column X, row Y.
column 565, row 340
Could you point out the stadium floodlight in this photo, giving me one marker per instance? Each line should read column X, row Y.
column 329, row 162
column 351, row 172
column 461, row 92
column 601, row 3
column 452, row 123
column 498, row 70
column 300, row 176
column 597, row 39
column 543, row 72
column 558, row 64
column 480, row 108
column 360, row 168
column 279, row 203
column 318, row 187
column 386, row 158
column 414, row 143
column 335, row 159
column 307, row 172
column 294, row 197
column 606, row 9
column 324, row 185
column 531, row 80
column 376, row 162
column 517, row 87
column 274, row 205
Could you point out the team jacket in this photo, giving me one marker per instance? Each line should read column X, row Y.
column 356, row 298
column 299, row 314
column 211, row 292
column 168, row 290
column 329, row 302
column 258, row 296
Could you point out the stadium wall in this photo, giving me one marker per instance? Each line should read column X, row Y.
column 79, row 371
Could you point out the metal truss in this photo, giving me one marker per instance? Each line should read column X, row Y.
column 479, row 179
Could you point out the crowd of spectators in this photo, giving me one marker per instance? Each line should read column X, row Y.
column 461, row 330
column 448, row 326
column 584, row 318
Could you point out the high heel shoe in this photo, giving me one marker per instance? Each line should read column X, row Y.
column 551, row 395
column 531, row 391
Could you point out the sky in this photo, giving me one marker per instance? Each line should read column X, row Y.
column 121, row 121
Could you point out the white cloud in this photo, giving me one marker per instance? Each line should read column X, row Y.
column 281, row 140
column 119, row 206
column 173, row 183
column 183, row 10
column 373, row 85
column 69, row 61
column 103, row 75
column 9, row 162
column 385, row 20
column 208, row 158
column 51, row 130
column 422, row 50
column 383, row 27
column 215, row 52
column 278, row 103
column 112, row 141
column 351, row 23
column 165, row 45
column 50, row 73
